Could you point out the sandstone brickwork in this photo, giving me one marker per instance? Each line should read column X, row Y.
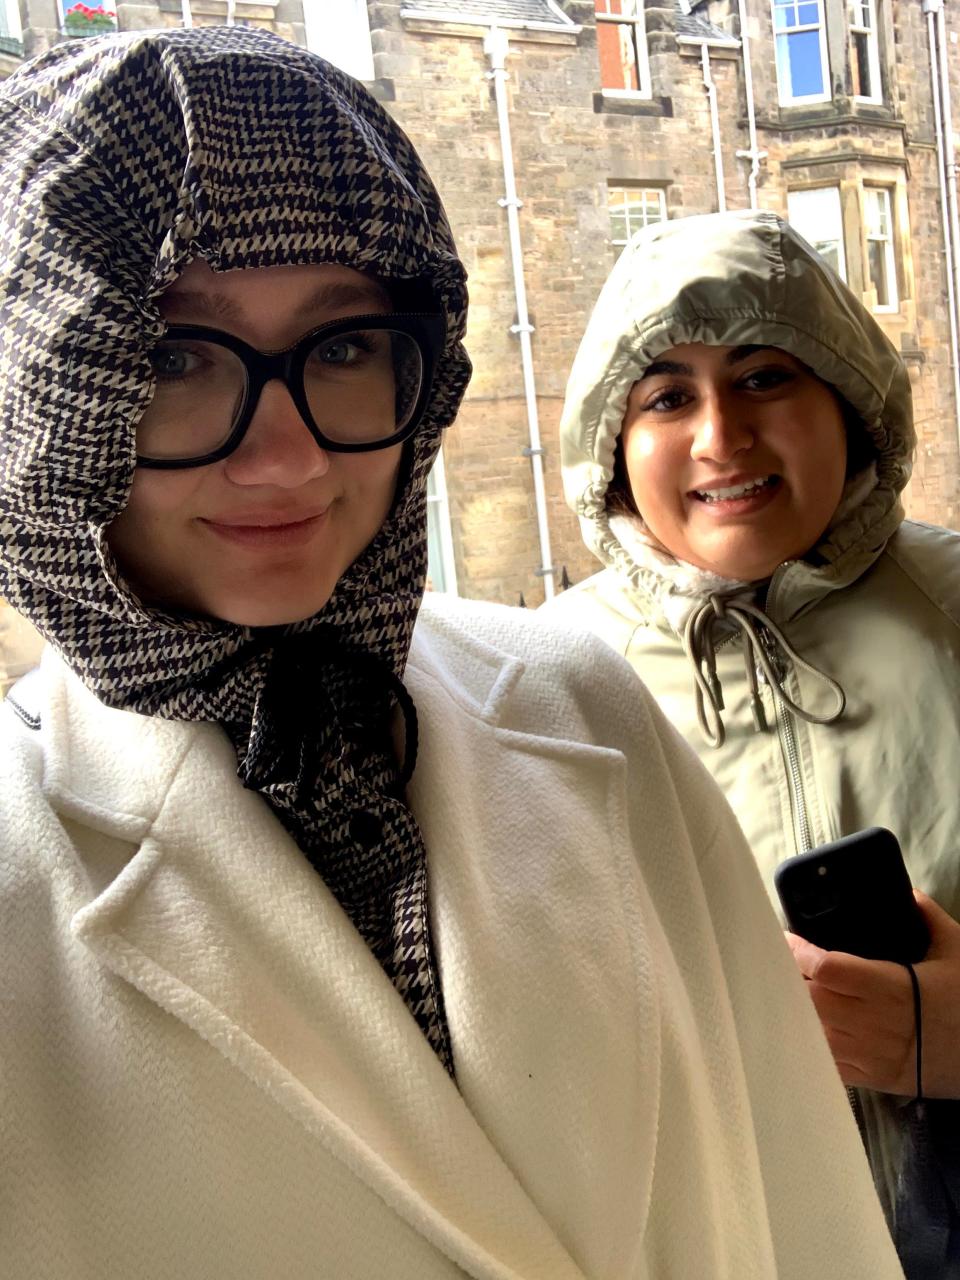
column 570, row 144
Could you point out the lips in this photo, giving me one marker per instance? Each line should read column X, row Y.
column 265, row 518
column 269, row 530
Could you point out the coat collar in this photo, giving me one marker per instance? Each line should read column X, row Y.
column 291, row 996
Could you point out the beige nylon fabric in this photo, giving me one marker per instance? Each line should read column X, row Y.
column 741, row 277
column 891, row 638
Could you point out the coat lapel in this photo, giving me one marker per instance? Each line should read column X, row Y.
column 549, row 977
column 219, row 920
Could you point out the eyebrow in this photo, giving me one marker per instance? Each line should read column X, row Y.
column 674, row 368
column 328, row 297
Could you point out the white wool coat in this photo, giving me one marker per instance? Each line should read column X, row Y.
column 205, row 1073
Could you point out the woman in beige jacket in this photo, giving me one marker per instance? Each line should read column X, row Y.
column 736, row 435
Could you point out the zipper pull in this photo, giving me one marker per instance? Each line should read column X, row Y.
column 759, row 716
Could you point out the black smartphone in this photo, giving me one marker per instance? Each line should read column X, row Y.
column 854, row 895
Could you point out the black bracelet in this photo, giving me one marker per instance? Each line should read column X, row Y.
column 918, row 1025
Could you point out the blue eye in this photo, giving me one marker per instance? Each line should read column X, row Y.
column 172, row 361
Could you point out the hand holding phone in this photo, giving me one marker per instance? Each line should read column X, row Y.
column 854, row 895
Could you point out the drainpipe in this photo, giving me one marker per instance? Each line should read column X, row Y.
column 711, row 88
column 185, row 13
column 949, row 155
column 754, row 155
column 231, row 12
column 948, row 198
column 496, row 47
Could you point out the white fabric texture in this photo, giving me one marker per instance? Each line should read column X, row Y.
column 205, row 1073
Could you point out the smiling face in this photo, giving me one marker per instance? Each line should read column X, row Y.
column 735, row 456
column 261, row 537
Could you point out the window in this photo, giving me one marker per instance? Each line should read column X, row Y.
column 816, row 215
column 801, row 51
column 441, row 566
column 339, row 30
column 881, row 263
column 632, row 208
column 11, row 33
column 79, row 19
column 864, row 51
column 622, row 43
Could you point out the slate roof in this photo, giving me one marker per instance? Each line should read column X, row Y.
column 694, row 26
column 507, row 11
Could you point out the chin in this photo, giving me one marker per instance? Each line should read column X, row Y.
column 266, row 613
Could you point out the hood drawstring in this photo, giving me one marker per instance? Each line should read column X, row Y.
column 699, row 643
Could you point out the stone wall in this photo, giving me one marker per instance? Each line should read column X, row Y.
column 569, row 143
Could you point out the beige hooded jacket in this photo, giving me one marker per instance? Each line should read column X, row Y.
column 874, row 607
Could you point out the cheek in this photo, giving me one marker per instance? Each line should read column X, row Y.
column 157, row 507
column 374, row 476
column 651, row 470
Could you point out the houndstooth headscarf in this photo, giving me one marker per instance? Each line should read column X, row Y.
column 123, row 158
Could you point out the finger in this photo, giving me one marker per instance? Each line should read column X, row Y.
column 847, row 1014
column 807, row 955
column 943, row 928
column 844, row 973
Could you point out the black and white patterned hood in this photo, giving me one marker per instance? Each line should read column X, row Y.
column 116, row 169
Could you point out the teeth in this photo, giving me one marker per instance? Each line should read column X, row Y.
column 734, row 491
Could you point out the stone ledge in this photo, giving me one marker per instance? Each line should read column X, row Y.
column 818, row 118
column 383, row 89
column 603, row 104
column 844, row 157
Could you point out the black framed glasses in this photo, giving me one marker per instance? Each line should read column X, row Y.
column 360, row 383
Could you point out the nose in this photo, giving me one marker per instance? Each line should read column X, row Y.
column 722, row 430
column 277, row 448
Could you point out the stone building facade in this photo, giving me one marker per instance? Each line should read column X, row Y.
column 854, row 160
column 826, row 112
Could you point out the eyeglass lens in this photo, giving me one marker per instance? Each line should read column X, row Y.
column 360, row 387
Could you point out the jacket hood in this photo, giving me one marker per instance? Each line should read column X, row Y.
column 731, row 279
column 117, row 169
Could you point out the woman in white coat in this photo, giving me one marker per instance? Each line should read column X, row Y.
column 340, row 937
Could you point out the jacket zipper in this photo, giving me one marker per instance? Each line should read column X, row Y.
column 798, row 804
column 788, row 739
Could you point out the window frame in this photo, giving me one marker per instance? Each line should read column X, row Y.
column 661, row 195
column 353, row 27
column 873, row 47
column 638, row 23
column 11, row 20
column 438, row 499
column 799, row 193
column 891, row 307
column 806, row 99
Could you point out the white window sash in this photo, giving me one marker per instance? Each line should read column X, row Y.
column 784, row 91
column 829, row 219
column 873, row 53
column 634, row 223
column 442, row 549
column 637, row 24
column 876, row 236
column 11, row 20
column 339, row 30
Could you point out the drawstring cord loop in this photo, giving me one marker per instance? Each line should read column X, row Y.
column 700, row 646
